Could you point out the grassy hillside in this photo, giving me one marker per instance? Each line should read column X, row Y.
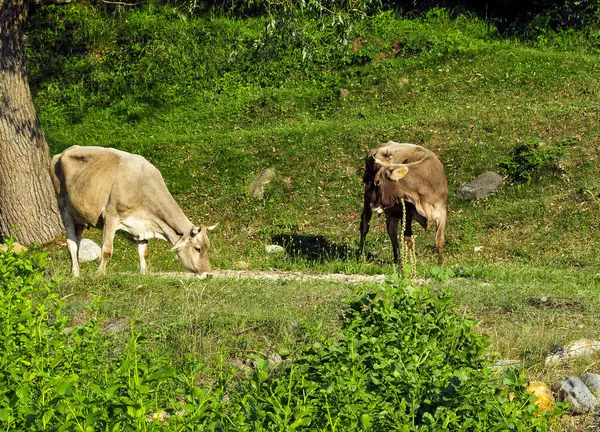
column 212, row 101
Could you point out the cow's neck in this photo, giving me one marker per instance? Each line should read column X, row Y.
column 175, row 227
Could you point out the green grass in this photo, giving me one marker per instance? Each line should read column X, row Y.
column 206, row 317
column 457, row 88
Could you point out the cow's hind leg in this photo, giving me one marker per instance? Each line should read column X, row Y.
column 73, row 240
column 391, row 223
column 408, row 232
column 72, row 245
column 108, row 237
column 143, row 253
column 440, row 241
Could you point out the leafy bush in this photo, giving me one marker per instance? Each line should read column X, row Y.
column 405, row 359
column 54, row 377
column 532, row 156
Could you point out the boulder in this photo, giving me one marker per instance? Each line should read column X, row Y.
column 592, row 381
column 89, row 251
column 576, row 349
column 483, row 186
column 574, row 391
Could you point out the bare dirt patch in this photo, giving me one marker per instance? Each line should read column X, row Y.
column 277, row 275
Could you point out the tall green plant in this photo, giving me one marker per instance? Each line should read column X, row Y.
column 404, row 360
column 531, row 157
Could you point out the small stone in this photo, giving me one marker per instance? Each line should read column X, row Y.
column 274, row 360
column 574, row 391
column 544, row 396
column 344, row 93
column 274, row 249
column 241, row 265
column 161, row 416
column 506, row 364
column 117, row 326
column 576, row 349
column 478, row 249
column 592, row 381
column 483, row 186
column 89, row 251
column 17, row 248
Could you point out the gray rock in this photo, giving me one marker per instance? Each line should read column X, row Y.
column 89, row 251
column 274, row 249
column 257, row 187
column 592, row 381
column 574, row 391
column 576, row 349
column 274, row 360
column 483, row 186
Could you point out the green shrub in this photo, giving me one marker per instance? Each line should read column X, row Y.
column 404, row 360
column 54, row 377
column 531, row 157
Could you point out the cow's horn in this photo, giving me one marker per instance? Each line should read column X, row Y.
column 380, row 163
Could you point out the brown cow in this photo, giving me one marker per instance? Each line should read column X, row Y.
column 114, row 190
column 405, row 172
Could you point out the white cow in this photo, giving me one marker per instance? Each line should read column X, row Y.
column 114, row 190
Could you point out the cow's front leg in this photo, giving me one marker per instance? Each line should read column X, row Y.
column 391, row 223
column 408, row 232
column 143, row 253
column 108, row 237
column 365, row 218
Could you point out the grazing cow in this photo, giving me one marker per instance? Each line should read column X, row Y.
column 114, row 190
column 404, row 172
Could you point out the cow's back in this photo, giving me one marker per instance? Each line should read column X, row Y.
column 429, row 177
column 84, row 177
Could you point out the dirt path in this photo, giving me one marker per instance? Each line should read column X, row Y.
column 276, row 275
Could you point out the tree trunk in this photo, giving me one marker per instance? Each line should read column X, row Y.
column 28, row 206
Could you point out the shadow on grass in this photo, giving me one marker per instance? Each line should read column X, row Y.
column 314, row 248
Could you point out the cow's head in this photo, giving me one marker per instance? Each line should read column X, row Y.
column 386, row 191
column 392, row 163
column 192, row 249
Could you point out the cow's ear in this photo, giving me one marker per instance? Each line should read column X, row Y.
column 194, row 231
column 397, row 173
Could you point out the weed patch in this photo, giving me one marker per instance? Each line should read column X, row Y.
column 402, row 356
column 531, row 157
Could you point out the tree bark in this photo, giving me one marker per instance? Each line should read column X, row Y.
column 28, row 205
